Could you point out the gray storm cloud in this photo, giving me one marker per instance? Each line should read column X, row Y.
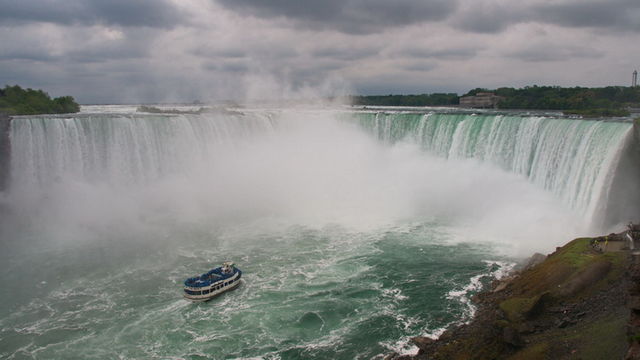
column 181, row 50
column 493, row 16
column 151, row 13
column 350, row 16
column 617, row 14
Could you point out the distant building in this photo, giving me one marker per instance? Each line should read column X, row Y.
column 481, row 100
column 634, row 78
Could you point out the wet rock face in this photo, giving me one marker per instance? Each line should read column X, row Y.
column 422, row 342
column 5, row 150
column 534, row 260
column 512, row 337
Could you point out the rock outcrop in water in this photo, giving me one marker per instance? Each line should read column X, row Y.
column 581, row 302
column 5, row 149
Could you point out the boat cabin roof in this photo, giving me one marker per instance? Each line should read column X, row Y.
column 209, row 277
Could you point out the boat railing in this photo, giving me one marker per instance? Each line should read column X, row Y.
column 207, row 279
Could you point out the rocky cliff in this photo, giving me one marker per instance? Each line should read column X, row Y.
column 580, row 302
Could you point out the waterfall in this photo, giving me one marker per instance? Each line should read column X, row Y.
column 574, row 159
column 120, row 148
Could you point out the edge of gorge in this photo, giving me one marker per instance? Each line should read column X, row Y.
column 580, row 302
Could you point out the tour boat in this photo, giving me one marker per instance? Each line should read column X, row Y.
column 213, row 283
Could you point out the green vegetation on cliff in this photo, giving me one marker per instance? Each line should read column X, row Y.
column 15, row 100
column 608, row 98
column 437, row 99
column 570, row 306
column 588, row 102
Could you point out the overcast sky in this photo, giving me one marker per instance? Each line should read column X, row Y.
column 123, row 51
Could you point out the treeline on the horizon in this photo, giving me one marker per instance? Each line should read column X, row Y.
column 15, row 100
column 436, row 99
column 529, row 97
column 560, row 98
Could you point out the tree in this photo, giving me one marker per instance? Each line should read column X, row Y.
column 18, row 101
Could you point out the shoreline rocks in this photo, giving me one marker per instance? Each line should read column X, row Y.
column 578, row 302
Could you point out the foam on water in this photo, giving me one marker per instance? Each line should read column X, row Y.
column 495, row 270
column 334, row 289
